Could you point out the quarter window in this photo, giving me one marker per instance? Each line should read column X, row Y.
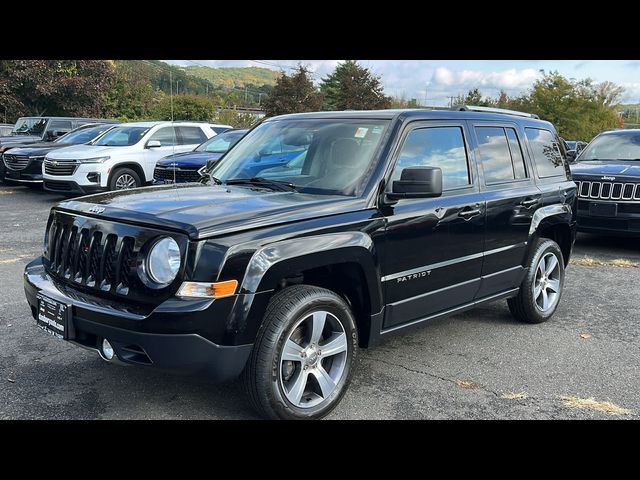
column 166, row 136
column 191, row 135
column 436, row 147
column 546, row 153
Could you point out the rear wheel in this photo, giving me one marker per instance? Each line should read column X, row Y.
column 304, row 355
column 124, row 179
column 541, row 288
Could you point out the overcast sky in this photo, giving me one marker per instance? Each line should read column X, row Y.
column 443, row 78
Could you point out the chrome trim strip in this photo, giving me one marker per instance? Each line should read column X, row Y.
column 453, row 261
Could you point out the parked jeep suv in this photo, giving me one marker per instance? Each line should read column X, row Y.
column 395, row 218
column 607, row 174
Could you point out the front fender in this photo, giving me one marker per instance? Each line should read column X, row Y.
column 271, row 263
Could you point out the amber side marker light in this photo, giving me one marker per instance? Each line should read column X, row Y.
column 207, row 290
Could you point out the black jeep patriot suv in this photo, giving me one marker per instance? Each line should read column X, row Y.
column 389, row 219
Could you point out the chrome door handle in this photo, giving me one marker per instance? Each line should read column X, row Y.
column 467, row 214
column 529, row 203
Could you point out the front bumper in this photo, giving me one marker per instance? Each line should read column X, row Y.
column 135, row 336
column 32, row 173
column 68, row 187
column 626, row 222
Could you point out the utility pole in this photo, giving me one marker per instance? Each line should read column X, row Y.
column 425, row 94
column 171, row 93
column 245, row 94
column 451, row 101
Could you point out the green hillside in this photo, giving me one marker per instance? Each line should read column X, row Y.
column 235, row 76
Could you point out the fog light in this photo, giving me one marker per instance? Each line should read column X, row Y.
column 93, row 177
column 107, row 349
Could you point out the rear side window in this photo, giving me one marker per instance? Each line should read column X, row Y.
column 500, row 155
column 191, row 135
column 546, row 153
column 436, row 147
column 60, row 125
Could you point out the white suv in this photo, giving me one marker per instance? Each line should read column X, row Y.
column 124, row 157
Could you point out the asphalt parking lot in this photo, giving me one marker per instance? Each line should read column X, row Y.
column 478, row 365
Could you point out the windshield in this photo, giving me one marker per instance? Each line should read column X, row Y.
column 624, row 146
column 30, row 126
column 122, row 136
column 83, row 135
column 337, row 154
column 220, row 143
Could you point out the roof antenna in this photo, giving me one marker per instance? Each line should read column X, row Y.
column 172, row 127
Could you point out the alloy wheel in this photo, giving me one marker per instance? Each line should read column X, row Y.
column 546, row 285
column 125, row 181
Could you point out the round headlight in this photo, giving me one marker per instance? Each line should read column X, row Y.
column 163, row 261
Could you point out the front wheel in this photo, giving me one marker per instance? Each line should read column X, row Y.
column 304, row 354
column 124, row 179
column 542, row 286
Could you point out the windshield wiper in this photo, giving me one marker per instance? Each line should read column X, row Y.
column 263, row 182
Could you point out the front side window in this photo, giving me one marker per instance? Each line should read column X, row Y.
column 191, row 135
column 338, row 154
column 436, row 147
column 546, row 152
column 166, row 136
column 122, row 137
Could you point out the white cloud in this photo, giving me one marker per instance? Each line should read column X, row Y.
column 511, row 79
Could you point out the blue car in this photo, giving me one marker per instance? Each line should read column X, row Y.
column 184, row 167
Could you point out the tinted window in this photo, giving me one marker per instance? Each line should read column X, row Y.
column 59, row 125
column 166, row 136
column 517, row 158
column 546, row 152
column 494, row 154
column 192, row 135
column 436, row 147
column 220, row 143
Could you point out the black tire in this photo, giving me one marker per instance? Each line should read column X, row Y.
column 263, row 375
column 121, row 172
column 524, row 306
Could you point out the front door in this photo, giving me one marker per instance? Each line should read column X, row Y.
column 169, row 144
column 434, row 246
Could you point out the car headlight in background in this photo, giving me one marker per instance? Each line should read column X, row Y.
column 93, row 160
column 163, row 262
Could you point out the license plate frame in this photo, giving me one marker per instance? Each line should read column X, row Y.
column 602, row 209
column 53, row 316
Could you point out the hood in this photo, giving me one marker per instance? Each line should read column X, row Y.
column 19, row 140
column 630, row 168
column 39, row 149
column 208, row 210
column 81, row 151
column 189, row 159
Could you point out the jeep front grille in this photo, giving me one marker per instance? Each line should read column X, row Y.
column 90, row 258
column 608, row 190
column 16, row 162
column 181, row 175
column 60, row 167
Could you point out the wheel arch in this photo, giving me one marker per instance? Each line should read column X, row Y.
column 556, row 223
column 136, row 167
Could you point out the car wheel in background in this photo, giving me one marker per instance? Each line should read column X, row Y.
column 124, row 179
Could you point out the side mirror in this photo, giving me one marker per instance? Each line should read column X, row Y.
column 153, row 144
column 417, row 182
column 571, row 155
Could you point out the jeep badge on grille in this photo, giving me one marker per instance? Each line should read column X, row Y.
column 96, row 209
column 611, row 179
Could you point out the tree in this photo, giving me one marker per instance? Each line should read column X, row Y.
column 353, row 87
column 292, row 94
column 132, row 95
column 185, row 107
column 473, row 97
column 55, row 87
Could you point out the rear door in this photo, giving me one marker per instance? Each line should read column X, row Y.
column 433, row 250
column 511, row 197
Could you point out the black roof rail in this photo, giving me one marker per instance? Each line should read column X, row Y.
column 473, row 108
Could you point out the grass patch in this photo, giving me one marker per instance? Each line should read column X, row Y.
column 467, row 385
column 592, row 404
column 515, row 396
column 594, row 262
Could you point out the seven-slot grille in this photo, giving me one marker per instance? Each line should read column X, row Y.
column 60, row 167
column 16, row 162
column 181, row 175
column 92, row 258
column 608, row 190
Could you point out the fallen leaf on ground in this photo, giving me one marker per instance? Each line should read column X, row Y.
column 596, row 262
column 467, row 385
column 585, row 335
column 515, row 396
column 592, row 404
